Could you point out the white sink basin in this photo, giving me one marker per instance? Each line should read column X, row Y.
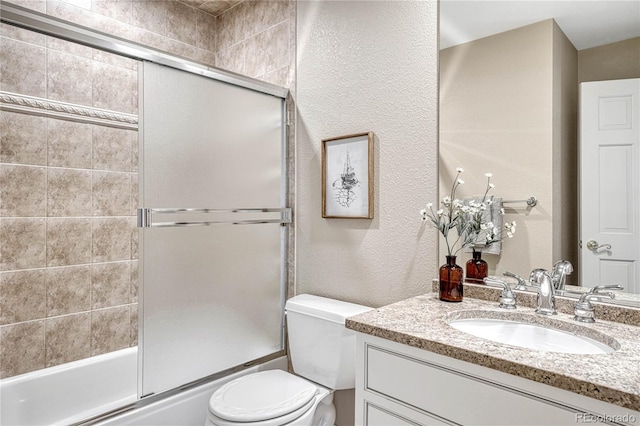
column 532, row 336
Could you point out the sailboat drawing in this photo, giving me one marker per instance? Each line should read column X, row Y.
column 344, row 185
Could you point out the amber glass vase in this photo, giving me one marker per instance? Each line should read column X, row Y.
column 476, row 268
column 451, row 281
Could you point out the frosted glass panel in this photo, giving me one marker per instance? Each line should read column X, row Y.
column 211, row 295
column 209, row 144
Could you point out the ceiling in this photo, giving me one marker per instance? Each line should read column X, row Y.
column 587, row 23
column 214, row 7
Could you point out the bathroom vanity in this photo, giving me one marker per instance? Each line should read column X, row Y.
column 414, row 368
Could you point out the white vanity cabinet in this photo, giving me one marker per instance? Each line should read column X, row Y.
column 398, row 384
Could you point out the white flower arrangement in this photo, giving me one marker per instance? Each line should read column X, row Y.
column 468, row 220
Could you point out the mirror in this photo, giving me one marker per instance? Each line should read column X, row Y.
column 509, row 80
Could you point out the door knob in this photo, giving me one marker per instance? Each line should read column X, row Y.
column 594, row 246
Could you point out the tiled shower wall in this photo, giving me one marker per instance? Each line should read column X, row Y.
column 68, row 190
column 68, row 193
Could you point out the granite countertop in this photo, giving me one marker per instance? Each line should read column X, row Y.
column 421, row 322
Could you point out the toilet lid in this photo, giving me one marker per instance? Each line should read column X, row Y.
column 261, row 396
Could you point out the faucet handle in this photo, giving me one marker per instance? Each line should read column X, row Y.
column 597, row 288
column 584, row 310
column 522, row 284
column 507, row 298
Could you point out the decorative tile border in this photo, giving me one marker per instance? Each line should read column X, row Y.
column 15, row 102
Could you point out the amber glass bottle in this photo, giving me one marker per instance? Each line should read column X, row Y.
column 476, row 268
column 451, row 276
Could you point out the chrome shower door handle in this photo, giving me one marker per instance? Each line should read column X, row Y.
column 594, row 246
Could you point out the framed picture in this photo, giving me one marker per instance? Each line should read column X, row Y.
column 347, row 176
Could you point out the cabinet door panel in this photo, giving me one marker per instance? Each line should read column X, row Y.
column 455, row 396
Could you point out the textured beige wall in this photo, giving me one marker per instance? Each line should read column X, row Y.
column 610, row 62
column 352, row 76
column 496, row 116
column 367, row 66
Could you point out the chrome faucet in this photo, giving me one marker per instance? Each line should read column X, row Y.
column 546, row 292
column 507, row 298
column 583, row 309
column 561, row 269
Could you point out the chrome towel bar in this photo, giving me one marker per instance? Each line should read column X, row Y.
column 230, row 216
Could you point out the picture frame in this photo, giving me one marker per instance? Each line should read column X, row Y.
column 347, row 176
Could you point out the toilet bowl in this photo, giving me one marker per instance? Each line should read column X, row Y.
column 322, row 353
column 271, row 398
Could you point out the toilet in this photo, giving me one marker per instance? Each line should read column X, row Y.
column 322, row 353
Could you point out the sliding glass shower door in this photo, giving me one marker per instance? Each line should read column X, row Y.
column 212, row 239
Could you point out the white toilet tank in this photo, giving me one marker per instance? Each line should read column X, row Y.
column 320, row 347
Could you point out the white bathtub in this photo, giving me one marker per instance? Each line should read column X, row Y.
column 72, row 392
column 68, row 393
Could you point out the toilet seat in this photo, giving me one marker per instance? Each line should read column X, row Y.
column 266, row 398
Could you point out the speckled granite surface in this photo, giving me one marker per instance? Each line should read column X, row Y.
column 603, row 310
column 422, row 322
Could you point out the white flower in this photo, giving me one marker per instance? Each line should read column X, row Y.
column 491, row 185
column 429, row 205
column 446, row 201
column 440, row 212
column 502, row 211
column 459, row 169
column 488, row 175
column 460, row 181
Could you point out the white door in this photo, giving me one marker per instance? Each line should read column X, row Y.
column 609, row 186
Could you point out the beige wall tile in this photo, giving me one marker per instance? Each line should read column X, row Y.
column 182, row 22
column 135, row 148
column 69, row 78
column 69, row 12
column 134, row 195
column 112, row 26
column 110, row 329
column 22, row 296
column 215, row 7
column 23, row 138
column 65, row 46
column 68, row 290
column 85, row 4
column 115, row 60
column 276, row 43
column 67, row 338
column 37, row 5
column 135, row 234
column 26, row 351
column 232, row 58
column 22, row 191
column 110, row 284
column 125, row 81
column 111, row 239
column 121, row 10
column 150, row 15
column 112, row 148
column 255, row 56
column 69, row 144
column 21, row 34
column 22, row 68
column 23, row 244
column 280, row 77
column 111, row 194
column 134, row 281
column 206, row 31
column 68, row 192
column 68, row 241
column 134, row 324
